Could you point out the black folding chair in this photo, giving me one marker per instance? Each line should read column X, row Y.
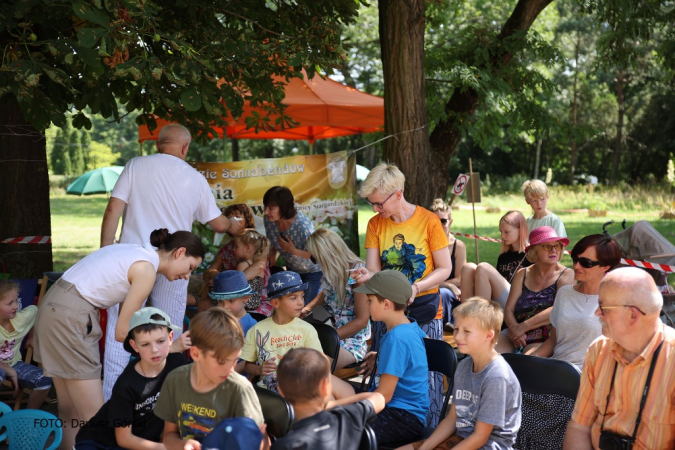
column 330, row 341
column 368, row 439
column 549, row 388
column 277, row 412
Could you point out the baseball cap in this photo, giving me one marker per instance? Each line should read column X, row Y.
column 144, row 317
column 235, row 433
column 390, row 284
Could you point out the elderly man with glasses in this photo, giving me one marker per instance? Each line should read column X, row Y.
column 627, row 393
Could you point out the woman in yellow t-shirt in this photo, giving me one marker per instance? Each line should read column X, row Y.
column 410, row 239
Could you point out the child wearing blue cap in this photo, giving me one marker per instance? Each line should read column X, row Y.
column 269, row 340
column 231, row 291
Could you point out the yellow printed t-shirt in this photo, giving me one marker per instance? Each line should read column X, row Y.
column 266, row 340
column 408, row 246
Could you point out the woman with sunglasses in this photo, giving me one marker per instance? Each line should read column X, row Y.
column 573, row 320
column 450, row 288
column 287, row 230
column 408, row 238
column 348, row 310
column 533, row 290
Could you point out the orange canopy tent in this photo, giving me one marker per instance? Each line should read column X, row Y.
column 323, row 109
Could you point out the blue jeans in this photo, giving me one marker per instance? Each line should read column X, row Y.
column 29, row 376
column 314, row 280
column 449, row 302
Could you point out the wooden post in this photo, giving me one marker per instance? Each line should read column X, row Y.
column 473, row 207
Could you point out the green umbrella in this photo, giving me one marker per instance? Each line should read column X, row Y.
column 97, row 181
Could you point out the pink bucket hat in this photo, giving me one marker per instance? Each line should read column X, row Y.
column 543, row 235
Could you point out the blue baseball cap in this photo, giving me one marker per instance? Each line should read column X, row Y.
column 236, row 433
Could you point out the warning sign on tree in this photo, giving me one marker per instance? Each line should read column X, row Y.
column 460, row 184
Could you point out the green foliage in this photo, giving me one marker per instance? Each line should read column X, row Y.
column 210, row 56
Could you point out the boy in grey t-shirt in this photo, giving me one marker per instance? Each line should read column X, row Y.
column 485, row 411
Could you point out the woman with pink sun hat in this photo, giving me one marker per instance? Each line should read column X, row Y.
column 533, row 290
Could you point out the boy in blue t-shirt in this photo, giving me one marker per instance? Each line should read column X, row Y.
column 485, row 411
column 402, row 371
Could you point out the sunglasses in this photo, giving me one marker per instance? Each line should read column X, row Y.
column 585, row 262
column 444, row 221
column 549, row 247
column 313, row 259
column 380, row 204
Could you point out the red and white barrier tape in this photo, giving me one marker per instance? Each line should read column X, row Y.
column 644, row 264
column 473, row 236
column 28, row 240
column 648, row 265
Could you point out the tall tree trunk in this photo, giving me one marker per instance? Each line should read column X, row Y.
column 24, row 191
column 573, row 144
column 402, row 25
column 618, row 142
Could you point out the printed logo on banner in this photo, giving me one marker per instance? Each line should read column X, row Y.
column 323, row 186
column 460, row 184
column 336, row 165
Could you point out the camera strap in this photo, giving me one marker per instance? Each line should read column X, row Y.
column 645, row 391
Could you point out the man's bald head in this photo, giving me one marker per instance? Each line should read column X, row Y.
column 633, row 286
column 174, row 139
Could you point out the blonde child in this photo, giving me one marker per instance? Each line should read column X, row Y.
column 251, row 249
column 486, row 406
column 536, row 195
column 487, row 281
column 14, row 326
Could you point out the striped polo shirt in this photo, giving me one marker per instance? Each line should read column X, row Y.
column 657, row 427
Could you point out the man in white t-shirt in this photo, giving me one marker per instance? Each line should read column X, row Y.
column 157, row 191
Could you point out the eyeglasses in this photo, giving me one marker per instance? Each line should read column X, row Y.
column 380, row 204
column 603, row 308
column 549, row 247
column 313, row 259
column 585, row 262
column 444, row 221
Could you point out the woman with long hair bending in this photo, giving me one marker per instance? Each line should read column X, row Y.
column 493, row 283
column 67, row 328
column 348, row 310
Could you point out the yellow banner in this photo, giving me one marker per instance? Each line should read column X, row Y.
column 324, row 188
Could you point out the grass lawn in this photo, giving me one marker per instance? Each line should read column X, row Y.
column 577, row 224
column 76, row 225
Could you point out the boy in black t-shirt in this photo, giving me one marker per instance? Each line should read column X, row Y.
column 305, row 381
column 127, row 419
